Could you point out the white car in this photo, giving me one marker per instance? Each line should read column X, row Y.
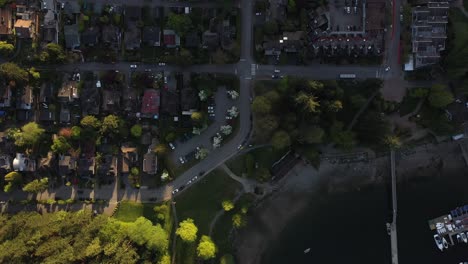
column 194, row 178
column 133, row 66
column 162, row 64
column 175, row 191
column 189, row 182
column 387, row 69
column 181, row 159
column 171, row 145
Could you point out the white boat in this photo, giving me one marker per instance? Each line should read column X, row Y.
column 464, row 237
column 445, row 243
column 459, row 239
column 307, row 250
column 438, row 242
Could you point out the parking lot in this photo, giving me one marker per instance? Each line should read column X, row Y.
column 345, row 15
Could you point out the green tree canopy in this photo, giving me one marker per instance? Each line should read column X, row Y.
column 309, row 102
column 392, row 141
column 179, row 23
column 90, row 121
column 29, row 135
column 227, row 205
column 37, row 186
column 13, row 176
column 187, row 230
column 206, row 248
column 439, row 96
column 53, row 53
column 60, row 145
column 110, row 124
column 76, row 132
column 280, row 140
column 227, row 259
column 161, row 149
column 238, row 221
column 197, row 116
column 136, row 130
column 270, row 27
column 13, row 72
column 312, row 134
column 261, row 105
column 6, row 48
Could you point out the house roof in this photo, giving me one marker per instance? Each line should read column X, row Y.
column 72, row 38
column 90, row 36
column 171, row 39
column 210, row 39
column 132, row 37
column 151, row 102
column 72, row 7
column 110, row 33
column 21, row 23
column 110, row 100
column 150, row 163
column 151, row 35
column 26, row 99
column 188, row 99
column 132, row 13
column 64, row 115
column 90, row 99
column 49, row 34
column 66, row 164
column 5, row 20
column 46, row 115
column 68, row 91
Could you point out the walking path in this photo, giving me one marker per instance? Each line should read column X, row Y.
column 247, row 184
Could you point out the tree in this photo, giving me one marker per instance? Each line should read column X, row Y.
column 134, row 171
column 14, row 177
column 37, row 186
column 65, row 132
column 6, row 48
column 261, row 105
column 90, row 121
column 345, row 140
column 262, row 174
column 419, row 92
column 238, row 221
column 220, row 57
column 292, row 6
column 335, row 106
column 136, row 130
column 201, row 153
column 75, row 132
column 227, row 205
column 270, row 27
column 13, row 72
column 179, row 23
column 206, row 248
column 228, row 258
column 53, row 53
column 265, row 125
column 161, row 149
column 280, row 140
column 110, row 124
column 166, row 259
column 439, row 96
column 171, row 136
column 29, row 135
column 226, row 129
column 60, row 145
column 196, row 117
column 187, row 230
column 312, row 135
column 308, row 102
column 273, row 96
column 357, row 101
column 392, row 141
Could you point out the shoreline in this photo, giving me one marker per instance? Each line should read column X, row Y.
column 296, row 190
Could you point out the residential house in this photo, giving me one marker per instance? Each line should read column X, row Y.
column 6, row 22
column 293, row 42
column 192, row 40
column 71, row 9
column 130, row 102
column 228, row 35
column 210, row 40
column 132, row 36
column 72, row 37
column 90, row 99
column 67, row 165
column 188, row 100
column 108, row 167
column 26, row 100
column 111, row 36
column 152, row 36
column 277, row 10
column 46, row 94
column 110, row 101
column 132, row 14
column 90, row 37
column 171, row 39
column 86, row 167
column 49, row 28
column 429, row 32
column 23, row 163
column 24, row 28
column 47, row 116
column 64, row 115
column 68, row 92
column 129, row 158
column 5, row 96
column 5, row 163
column 150, row 104
column 272, row 48
column 150, row 163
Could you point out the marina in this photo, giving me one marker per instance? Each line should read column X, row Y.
column 451, row 229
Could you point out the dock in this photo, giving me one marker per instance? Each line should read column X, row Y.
column 393, row 226
column 451, row 224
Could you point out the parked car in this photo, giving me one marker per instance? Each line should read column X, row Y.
column 133, row 66
column 171, row 145
column 175, row 191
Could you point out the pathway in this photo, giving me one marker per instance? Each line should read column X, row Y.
column 247, row 184
column 221, row 213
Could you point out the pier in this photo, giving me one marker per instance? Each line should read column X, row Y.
column 393, row 227
column 450, row 225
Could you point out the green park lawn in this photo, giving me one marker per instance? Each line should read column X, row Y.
column 129, row 211
column 458, row 49
column 265, row 157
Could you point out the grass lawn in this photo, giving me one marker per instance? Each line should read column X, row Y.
column 129, row 211
column 465, row 4
column 408, row 105
column 456, row 57
column 202, row 201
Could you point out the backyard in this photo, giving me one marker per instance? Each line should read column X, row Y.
column 129, row 211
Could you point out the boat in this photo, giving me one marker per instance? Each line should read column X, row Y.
column 464, row 237
column 459, row 239
column 389, row 229
column 307, row 250
column 444, row 243
column 438, row 242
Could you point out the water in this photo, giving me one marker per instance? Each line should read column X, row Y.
column 350, row 227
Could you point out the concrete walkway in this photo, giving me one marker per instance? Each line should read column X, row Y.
column 247, row 184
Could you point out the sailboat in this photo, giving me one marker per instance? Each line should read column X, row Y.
column 307, row 250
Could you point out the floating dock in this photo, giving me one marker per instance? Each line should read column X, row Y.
column 451, row 224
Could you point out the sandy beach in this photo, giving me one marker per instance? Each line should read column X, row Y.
column 294, row 191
